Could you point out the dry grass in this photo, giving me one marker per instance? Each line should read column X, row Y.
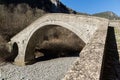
column 12, row 20
column 15, row 18
column 4, row 54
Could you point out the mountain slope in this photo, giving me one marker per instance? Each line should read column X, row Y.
column 108, row 14
column 15, row 15
column 46, row 5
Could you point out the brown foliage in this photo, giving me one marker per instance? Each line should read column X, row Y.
column 4, row 54
column 14, row 19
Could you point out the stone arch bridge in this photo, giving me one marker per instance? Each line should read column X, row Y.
column 87, row 28
column 91, row 30
column 83, row 26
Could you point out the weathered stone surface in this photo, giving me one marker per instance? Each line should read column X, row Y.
column 88, row 66
column 114, row 23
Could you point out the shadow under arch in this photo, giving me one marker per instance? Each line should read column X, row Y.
column 39, row 36
column 14, row 52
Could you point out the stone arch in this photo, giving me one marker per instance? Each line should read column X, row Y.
column 83, row 26
column 29, row 56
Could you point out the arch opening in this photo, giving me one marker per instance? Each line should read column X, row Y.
column 53, row 41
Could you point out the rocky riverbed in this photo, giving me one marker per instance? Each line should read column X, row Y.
column 53, row 69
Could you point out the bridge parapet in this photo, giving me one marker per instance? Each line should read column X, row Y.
column 88, row 66
column 114, row 23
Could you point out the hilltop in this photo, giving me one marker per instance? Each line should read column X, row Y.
column 108, row 14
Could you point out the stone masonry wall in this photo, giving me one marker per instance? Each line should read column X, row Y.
column 88, row 66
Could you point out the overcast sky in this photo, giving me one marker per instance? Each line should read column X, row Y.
column 93, row 6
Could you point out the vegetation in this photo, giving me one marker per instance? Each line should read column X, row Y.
column 15, row 15
column 14, row 19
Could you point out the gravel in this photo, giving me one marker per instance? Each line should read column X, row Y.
column 53, row 69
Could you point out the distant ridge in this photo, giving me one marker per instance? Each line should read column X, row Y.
column 51, row 6
column 108, row 14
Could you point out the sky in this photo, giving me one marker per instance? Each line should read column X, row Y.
column 93, row 6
